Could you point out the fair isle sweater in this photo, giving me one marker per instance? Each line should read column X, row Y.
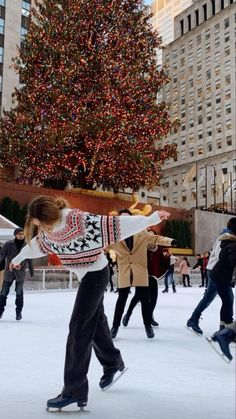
column 80, row 238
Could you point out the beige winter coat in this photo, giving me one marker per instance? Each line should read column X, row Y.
column 135, row 261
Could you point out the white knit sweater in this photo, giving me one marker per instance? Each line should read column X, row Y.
column 80, row 238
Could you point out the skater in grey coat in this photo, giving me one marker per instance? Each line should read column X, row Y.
column 10, row 250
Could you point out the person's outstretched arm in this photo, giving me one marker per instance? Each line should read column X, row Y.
column 30, row 251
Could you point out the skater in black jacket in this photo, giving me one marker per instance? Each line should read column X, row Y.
column 222, row 273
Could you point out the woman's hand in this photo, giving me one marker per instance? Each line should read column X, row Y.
column 163, row 215
column 14, row 266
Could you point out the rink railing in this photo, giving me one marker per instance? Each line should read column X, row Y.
column 53, row 277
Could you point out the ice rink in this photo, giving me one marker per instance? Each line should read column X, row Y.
column 177, row 375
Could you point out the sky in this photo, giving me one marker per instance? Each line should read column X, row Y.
column 176, row 375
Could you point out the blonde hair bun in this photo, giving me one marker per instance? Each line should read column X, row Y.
column 62, row 203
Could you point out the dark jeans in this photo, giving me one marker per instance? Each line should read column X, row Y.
column 227, row 297
column 209, row 295
column 142, row 295
column 186, row 276
column 19, row 301
column 169, row 279
column 88, row 329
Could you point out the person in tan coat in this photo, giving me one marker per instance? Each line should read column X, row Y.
column 132, row 272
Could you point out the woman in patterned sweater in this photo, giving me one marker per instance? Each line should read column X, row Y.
column 79, row 238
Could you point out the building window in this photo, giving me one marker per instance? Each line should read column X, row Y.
column 209, row 147
column 199, row 120
column 207, row 34
column 228, row 125
column 191, row 152
column 197, row 17
column 200, row 149
column 208, row 74
column 199, row 52
column 205, row 11
column 183, row 141
column 189, row 22
column 218, row 128
column 217, row 56
column 227, row 65
column 222, row 4
column 228, row 109
column 209, row 117
column 2, row 24
column 182, row 27
column 226, row 23
column 219, row 144
column 213, row 7
column 227, row 80
column 175, row 197
column 227, row 51
column 229, row 140
column 209, row 132
column 183, row 154
column 200, row 135
column 25, row 8
column 199, row 106
column 227, row 37
column 228, row 95
column 208, row 48
column 190, row 45
column 217, row 42
column 1, row 54
column 218, row 99
column 217, row 28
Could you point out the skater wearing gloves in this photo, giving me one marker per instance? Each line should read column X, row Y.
column 79, row 238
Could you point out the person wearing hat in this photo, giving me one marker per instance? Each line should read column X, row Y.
column 10, row 250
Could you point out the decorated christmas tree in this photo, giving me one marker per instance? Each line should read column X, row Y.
column 87, row 110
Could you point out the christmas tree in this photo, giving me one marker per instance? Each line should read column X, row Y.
column 86, row 110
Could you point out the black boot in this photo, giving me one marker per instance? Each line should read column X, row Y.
column 63, row 400
column 154, row 323
column 165, row 290
column 149, row 332
column 114, row 331
column 125, row 320
column 108, row 377
column 192, row 323
column 173, row 288
column 223, row 338
column 18, row 315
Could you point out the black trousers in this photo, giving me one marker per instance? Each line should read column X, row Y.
column 19, row 301
column 226, row 294
column 153, row 294
column 88, row 329
column 142, row 295
column 186, row 276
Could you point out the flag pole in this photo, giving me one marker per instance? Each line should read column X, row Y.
column 196, row 186
column 231, row 191
column 223, row 193
column 214, row 174
column 206, row 191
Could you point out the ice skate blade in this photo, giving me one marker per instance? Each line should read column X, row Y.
column 115, row 379
column 66, row 412
column 218, row 351
column 195, row 333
